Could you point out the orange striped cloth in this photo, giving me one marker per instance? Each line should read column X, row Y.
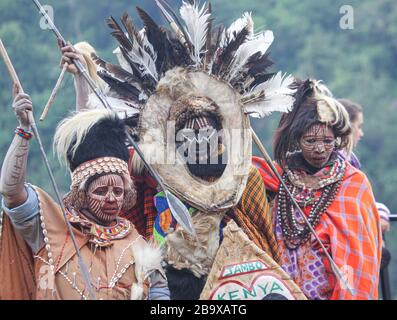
column 350, row 230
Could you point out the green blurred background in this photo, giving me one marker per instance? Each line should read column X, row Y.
column 359, row 64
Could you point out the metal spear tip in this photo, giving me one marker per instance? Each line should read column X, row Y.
column 180, row 213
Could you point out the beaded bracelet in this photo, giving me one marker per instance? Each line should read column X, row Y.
column 23, row 133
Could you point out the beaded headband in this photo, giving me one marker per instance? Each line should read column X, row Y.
column 98, row 166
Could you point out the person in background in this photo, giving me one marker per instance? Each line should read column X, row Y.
column 356, row 115
column 336, row 198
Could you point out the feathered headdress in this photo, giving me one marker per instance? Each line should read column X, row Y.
column 89, row 135
column 193, row 69
column 314, row 103
column 92, row 143
column 236, row 55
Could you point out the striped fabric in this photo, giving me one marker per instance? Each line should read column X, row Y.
column 253, row 215
column 350, row 230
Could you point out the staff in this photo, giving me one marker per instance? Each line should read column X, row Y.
column 178, row 209
column 15, row 79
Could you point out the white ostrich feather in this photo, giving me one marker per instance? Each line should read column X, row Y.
column 197, row 22
column 275, row 95
column 236, row 27
column 122, row 107
column 259, row 43
column 144, row 56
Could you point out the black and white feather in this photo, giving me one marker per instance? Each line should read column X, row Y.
column 273, row 95
column 257, row 44
column 234, row 54
column 197, row 22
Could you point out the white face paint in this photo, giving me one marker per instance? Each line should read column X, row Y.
column 317, row 145
column 105, row 197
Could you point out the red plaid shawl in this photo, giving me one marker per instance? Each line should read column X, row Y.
column 143, row 214
column 350, row 229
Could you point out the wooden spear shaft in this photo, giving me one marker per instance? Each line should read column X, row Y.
column 9, row 66
column 15, row 78
column 54, row 93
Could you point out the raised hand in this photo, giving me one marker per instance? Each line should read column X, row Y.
column 68, row 53
column 21, row 105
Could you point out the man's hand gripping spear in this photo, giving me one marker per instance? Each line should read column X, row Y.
column 23, row 109
column 178, row 209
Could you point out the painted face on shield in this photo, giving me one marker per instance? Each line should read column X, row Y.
column 203, row 146
column 317, row 145
column 105, row 197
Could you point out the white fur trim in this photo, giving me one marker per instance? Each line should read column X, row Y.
column 137, row 164
column 147, row 259
column 136, row 292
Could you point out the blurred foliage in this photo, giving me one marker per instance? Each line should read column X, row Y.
column 359, row 64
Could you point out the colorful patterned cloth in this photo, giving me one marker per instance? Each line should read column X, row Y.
column 350, row 230
column 164, row 220
column 252, row 213
column 143, row 214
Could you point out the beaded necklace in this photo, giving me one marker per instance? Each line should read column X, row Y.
column 319, row 196
column 101, row 235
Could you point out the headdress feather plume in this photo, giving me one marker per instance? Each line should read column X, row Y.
column 71, row 132
column 258, row 44
column 135, row 46
column 197, row 24
column 235, row 55
column 273, row 95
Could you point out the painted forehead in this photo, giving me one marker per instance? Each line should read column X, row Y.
column 107, row 180
column 319, row 130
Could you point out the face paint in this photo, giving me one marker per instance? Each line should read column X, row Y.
column 317, row 145
column 201, row 144
column 105, row 197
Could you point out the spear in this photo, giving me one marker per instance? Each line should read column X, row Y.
column 15, row 79
column 54, row 93
column 269, row 161
column 178, row 209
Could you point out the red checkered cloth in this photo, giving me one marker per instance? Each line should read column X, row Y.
column 350, row 229
column 143, row 214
